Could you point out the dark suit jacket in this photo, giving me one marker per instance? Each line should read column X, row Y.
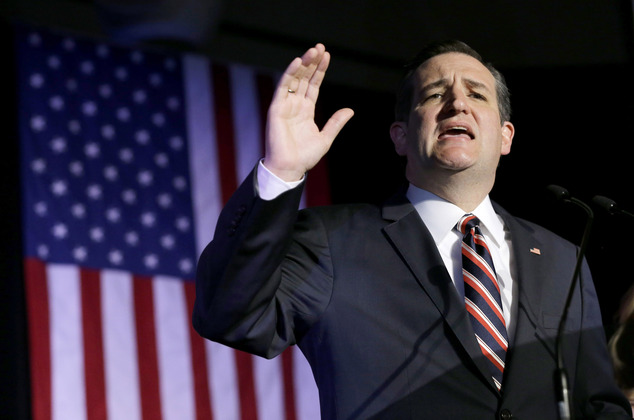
column 363, row 291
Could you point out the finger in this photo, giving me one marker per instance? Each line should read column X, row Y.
column 338, row 120
column 311, row 61
column 314, row 84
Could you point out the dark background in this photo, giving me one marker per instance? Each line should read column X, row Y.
column 569, row 66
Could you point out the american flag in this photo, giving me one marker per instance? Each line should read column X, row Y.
column 127, row 156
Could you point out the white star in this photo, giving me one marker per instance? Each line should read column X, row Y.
column 92, row 150
column 121, row 73
column 60, row 231
column 142, row 137
column 38, row 123
column 161, row 160
column 71, row 85
column 176, row 143
column 40, row 208
column 173, row 103
column 168, row 241
column 68, row 44
column 36, row 81
column 105, row 91
column 53, row 62
column 186, row 265
column 38, row 166
column 164, row 200
column 103, row 51
column 89, row 108
column 136, row 57
column 94, row 191
column 123, row 114
column 132, row 238
column 126, row 155
column 111, row 173
column 148, row 219
column 115, row 257
column 56, row 103
column 182, row 223
column 145, row 178
column 158, row 119
column 58, row 145
column 156, row 79
column 113, row 214
column 96, row 234
column 180, row 183
column 151, row 261
column 87, row 67
column 170, row 64
column 78, row 210
column 59, row 187
column 80, row 253
column 74, row 126
column 42, row 251
column 139, row 96
column 108, row 132
column 34, row 39
column 129, row 196
column 76, row 168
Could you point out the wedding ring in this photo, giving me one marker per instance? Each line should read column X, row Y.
column 291, row 91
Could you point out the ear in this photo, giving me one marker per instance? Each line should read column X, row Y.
column 508, row 131
column 398, row 133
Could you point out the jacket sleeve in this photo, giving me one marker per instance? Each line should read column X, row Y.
column 262, row 280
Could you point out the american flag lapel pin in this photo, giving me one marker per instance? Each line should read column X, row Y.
column 535, row 251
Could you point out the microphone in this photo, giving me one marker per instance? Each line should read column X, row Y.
column 561, row 376
column 610, row 206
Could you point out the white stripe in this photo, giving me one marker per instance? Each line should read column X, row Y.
column 223, row 381
column 481, row 287
column 486, row 320
column 120, row 349
column 477, row 256
column 306, row 393
column 203, row 155
column 269, row 388
column 489, row 351
column 247, row 122
column 173, row 349
column 68, row 397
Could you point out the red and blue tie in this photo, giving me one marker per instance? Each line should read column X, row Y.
column 482, row 296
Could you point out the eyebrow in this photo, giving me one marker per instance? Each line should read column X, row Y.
column 472, row 84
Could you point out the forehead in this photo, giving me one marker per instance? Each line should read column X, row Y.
column 453, row 67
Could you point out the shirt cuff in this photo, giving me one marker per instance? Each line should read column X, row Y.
column 270, row 186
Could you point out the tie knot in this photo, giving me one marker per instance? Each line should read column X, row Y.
column 468, row 222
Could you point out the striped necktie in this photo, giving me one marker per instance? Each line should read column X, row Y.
column 482, row 296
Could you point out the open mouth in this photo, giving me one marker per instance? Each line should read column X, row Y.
column 456, row 131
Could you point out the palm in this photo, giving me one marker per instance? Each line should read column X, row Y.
column 294, row 143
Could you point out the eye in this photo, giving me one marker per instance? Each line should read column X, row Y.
column 433, row 96
column 477, row 95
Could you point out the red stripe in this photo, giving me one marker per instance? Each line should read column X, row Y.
column 493, row 305
column 39, row 337
column 266, row 88
column 228, row 182
column 199, row 362
column 146, row 348
column 93, row 345
column 492, row 332
column 225, row 134
column 491, row 358
column 470, row 253
column 289, row 384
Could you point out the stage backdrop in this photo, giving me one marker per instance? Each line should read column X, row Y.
column 127, row 157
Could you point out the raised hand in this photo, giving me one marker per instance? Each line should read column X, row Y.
column 294, row 143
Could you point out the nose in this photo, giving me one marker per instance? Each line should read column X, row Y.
column 456, row 102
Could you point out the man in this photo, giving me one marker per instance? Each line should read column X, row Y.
column 379, row 298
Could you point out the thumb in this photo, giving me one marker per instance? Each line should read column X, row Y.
column 336, row 122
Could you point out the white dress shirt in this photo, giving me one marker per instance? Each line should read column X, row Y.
column 441, row 217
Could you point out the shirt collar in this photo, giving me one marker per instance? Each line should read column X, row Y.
column 440, row 216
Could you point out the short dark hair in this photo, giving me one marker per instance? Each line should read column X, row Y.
column 404, row 94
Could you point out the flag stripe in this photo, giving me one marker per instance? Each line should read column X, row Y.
column 93, row 345
column 39, row 337
column 147, row 354
column 199, row 363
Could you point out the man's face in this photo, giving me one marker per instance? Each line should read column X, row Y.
column 454, row 122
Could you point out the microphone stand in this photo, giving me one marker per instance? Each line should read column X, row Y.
column 561, row 376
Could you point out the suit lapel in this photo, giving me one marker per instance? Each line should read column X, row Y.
column 414, row 243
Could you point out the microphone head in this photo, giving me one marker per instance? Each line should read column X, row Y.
column 606, row 203
column 559, row 192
